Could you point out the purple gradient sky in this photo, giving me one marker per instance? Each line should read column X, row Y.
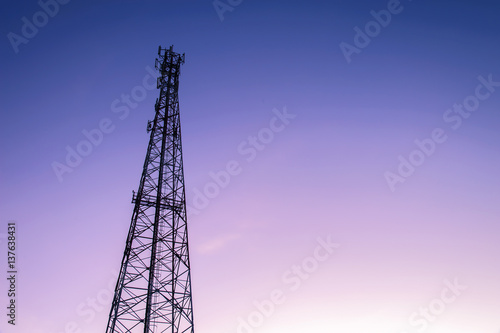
column 322, row 175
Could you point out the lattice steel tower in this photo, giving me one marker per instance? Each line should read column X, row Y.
column 153, row 291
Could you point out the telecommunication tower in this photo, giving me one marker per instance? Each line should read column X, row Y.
column 153, row 291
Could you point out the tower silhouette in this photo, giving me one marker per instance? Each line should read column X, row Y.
column 153, row 291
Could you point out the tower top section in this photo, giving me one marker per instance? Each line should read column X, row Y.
column 170, row 55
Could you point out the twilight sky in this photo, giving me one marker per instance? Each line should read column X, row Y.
column 365, row 136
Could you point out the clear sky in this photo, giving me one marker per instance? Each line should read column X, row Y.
column 362, row 139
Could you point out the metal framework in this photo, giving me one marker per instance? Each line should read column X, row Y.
column 153, row 291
